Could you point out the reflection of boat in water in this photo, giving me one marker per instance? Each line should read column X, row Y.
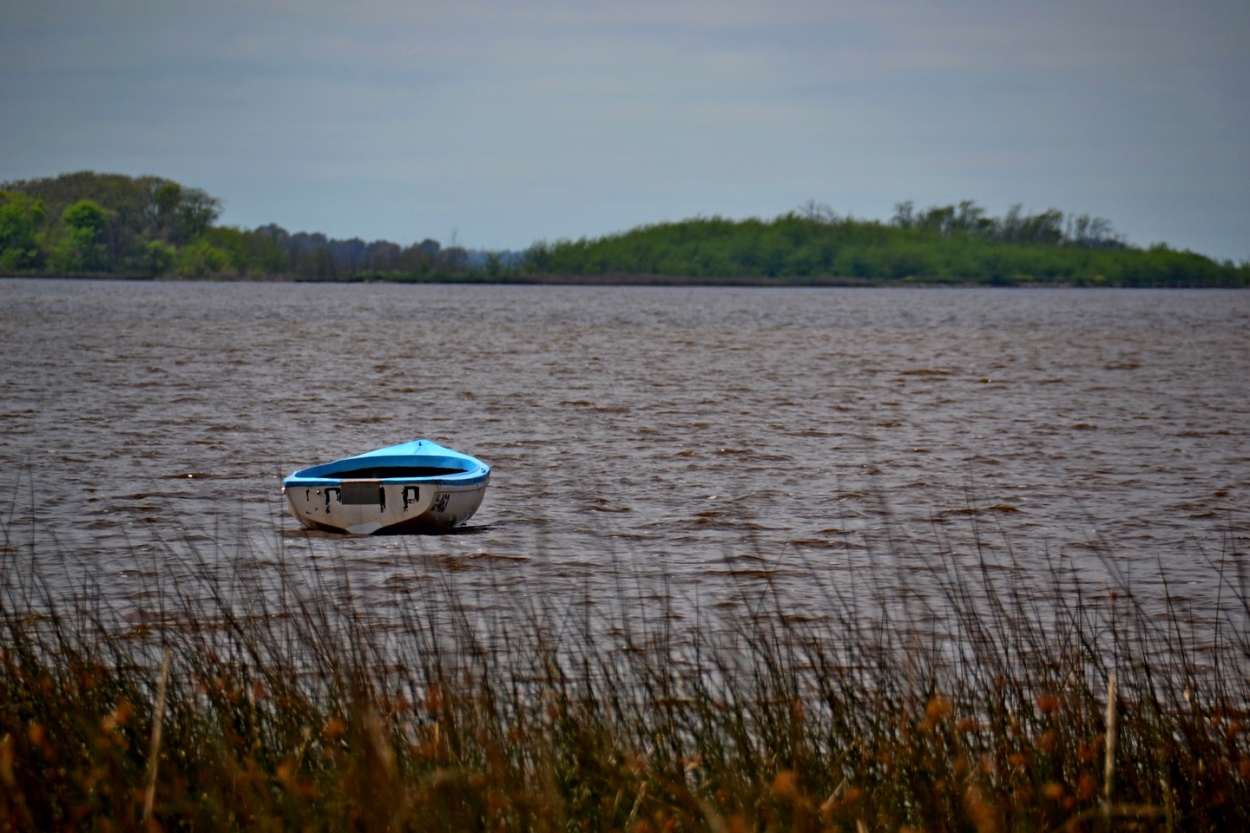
column 418, row 486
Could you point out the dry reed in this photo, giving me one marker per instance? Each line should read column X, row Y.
column 303, row 714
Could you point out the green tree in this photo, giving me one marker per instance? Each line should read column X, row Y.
column 158, row 258
column 80, row 247
column 164, row 209
column 195, row 213
column 20, row 218
column 201, row 259
column 138, row 210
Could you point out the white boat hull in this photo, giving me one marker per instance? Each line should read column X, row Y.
column 396, row 507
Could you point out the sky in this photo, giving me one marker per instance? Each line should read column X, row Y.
column 494, row 125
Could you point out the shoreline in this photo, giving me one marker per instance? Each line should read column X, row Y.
column 622, row 279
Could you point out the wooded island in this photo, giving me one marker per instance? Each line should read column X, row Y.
column 90, row 224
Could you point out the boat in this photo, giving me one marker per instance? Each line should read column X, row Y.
column 417, row 486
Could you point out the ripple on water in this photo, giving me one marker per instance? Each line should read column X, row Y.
column 640, row 437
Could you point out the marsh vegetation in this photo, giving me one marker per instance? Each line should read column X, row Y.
column 288, row 706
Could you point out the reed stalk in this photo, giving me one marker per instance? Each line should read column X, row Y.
column 154, row 753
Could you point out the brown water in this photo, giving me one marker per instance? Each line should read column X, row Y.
column 671, row 444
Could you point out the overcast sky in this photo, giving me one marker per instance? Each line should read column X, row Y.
column 503, row 123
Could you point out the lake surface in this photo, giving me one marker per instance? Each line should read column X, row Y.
column 652, row 448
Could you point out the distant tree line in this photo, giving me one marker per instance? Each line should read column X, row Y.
column 87, row 222
column 970, row 220
column 943, row 244
column 317, row 257
column 108, row 224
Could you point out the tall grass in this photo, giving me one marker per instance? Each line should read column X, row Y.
column 298, row 708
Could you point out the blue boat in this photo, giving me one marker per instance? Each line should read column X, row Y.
column 418, row 486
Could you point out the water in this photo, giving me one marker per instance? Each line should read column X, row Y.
column 683, row 446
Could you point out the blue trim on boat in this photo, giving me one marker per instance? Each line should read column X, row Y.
column 460, row 469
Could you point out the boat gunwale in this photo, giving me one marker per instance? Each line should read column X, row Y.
column 463, row 470
column 469, row 478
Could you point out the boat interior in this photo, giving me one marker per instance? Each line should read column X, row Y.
column 379, row 472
